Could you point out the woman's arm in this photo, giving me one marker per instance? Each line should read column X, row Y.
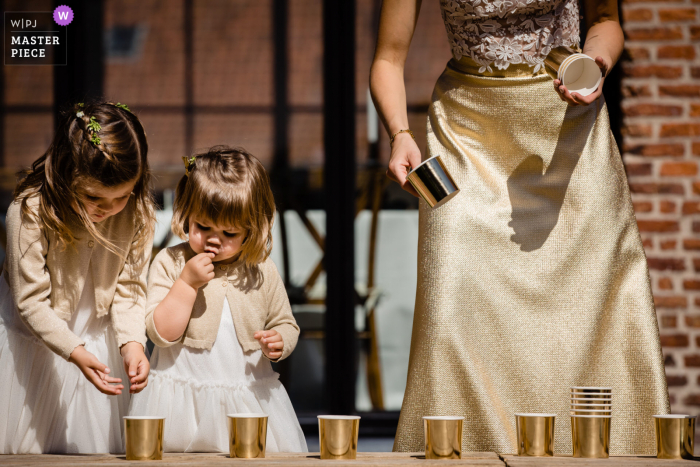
column 396, row 26
column 604, row 43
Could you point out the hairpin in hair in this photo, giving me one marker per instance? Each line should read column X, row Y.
column 122, row 106
column 189, row 163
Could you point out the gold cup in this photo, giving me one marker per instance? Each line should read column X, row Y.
column 443, row 437
column 535, row 434
column 144, row 438
column 247, row 435
column 338, row 436
column 590, row 436
column 433, row 182
column 675, row 436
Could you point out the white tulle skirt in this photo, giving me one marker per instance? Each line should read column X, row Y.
column 46, row 404
column 195, row 389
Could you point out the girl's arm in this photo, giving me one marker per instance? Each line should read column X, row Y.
column 128, row 311
column 281, row 333
column 170, row 298
column 396, row 26
column 30, row 284
column 604, row 43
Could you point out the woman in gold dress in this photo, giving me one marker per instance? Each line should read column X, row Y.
column 533, row 278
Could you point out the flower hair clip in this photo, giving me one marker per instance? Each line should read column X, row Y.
column 122, row 106
column 189, row 164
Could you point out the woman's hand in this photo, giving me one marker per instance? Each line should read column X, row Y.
column 404, row 155
column 577, row 99
column 96, row 372
column 271, row 343
column 136, row 366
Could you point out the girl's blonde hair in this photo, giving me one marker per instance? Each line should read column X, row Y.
column 227, row 187
column 116, row 156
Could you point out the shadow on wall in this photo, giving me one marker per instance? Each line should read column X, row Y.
column 536, row 195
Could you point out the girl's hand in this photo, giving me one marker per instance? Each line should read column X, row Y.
column 271, row 343
column 577, row 99
column 199, row 270
column 96, row 372
column 404, row 155
column 136, row 366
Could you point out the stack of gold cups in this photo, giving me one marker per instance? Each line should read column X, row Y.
column 591, row 410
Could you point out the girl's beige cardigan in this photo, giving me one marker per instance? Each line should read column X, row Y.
column 257, row 298
column 46, row 281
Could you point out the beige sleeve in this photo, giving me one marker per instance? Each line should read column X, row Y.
column 279, row 312
column 129, row 303
column 161, row 277
column 30, row 282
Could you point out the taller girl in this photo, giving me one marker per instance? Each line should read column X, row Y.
column 72, row 295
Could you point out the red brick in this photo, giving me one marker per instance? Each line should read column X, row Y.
column 676, row 340
column 654, row 188
column 665, row 283
column 657, row 226
column 654, row 150
column 691, row 243
column 695, row 109
column 679, row 169
column 672, row 399
column 692, row 321
column 697, row 301
column 654, row 34
column 691, row 207
column 669, row 322
column 686, row 52
column 691, row 284
column 679, row 129
column 681, row 90
column 652, row 110
column 638, row 53
column 667, row 206
column 680, row 301
column 696, row 226
column 676, row 380
column 636, row 130
column 636, row 90
column 647, row 243
column 669, row 361
column 693, row 399
column 668, row 245
column 692, row 360
column 653, row 71
column 696, row 264
column 696, row 188
column 677, row 14
column 695, row 33
column 664, row 264
column 695, row 71
column 696, row 149
column 637, row 14
column 638, row 169
column 642, row 206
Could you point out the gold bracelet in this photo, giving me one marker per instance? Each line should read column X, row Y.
column 391, row 140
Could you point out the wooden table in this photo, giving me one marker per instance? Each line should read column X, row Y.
column 365, row 459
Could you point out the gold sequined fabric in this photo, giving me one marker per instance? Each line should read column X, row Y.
column 533, row 278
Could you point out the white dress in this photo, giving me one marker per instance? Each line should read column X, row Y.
column 46, row 404
column 195, row 389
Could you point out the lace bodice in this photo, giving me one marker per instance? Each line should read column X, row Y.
column 505, row 32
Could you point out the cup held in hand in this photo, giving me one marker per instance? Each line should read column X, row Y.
column 247, row 435
column 144, row 438
column 577, row 71
column 433, row 182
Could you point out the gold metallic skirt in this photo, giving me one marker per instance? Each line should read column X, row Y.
column 533, row 278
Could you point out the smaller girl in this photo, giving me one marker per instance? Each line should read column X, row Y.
column 218, row 311
column 73, row 288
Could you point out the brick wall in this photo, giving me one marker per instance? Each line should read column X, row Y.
column 661, row 134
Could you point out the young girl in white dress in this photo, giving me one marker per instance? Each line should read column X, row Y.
column 73, row 287
column 218, row 311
